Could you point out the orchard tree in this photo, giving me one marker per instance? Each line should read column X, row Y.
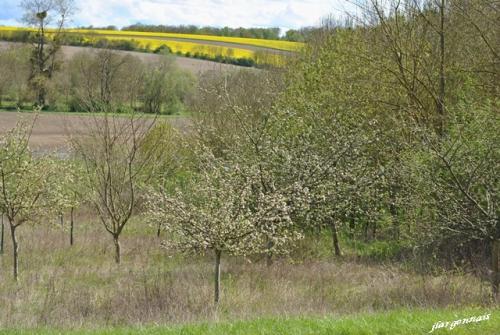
column 116, row 163
column 68, row 190
column 25, row 184
column 223, row 211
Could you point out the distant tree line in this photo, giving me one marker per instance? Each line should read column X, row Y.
column 260, row 33
column 293, row 35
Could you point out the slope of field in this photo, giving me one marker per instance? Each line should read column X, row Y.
column 196, row 66
column 268, row 44
column 183, row 47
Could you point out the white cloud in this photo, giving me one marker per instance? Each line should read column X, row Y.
column 233, row 13
column 9, row 22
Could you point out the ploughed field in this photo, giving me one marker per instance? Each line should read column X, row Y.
column 51, row 130
column 196, row 66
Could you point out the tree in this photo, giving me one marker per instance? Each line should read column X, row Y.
column 41, row 14
column 104, row 80
column 223, row 211
column 14, row 69
column 456, row 184
column 25, row 184
column 165, row 88
column 327, row 123
column 69, row 190
column 116, row 165
column 172, row 156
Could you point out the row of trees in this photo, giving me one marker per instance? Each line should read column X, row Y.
column 109, row 164
column 39, row 74
column 260, row 33
column 103, row 77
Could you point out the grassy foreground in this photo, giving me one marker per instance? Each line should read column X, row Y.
column 394, row 323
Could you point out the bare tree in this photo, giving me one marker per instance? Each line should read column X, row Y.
column 116, row 162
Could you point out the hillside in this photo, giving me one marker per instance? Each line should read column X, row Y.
column 235, row 50
column 195, row 66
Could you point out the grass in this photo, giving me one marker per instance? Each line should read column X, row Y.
column 63, row 287
column 398, row 322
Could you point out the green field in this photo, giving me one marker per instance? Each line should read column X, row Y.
column 391, row 323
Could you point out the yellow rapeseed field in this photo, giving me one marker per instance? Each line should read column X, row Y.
column 270, row 44
column 152, row 44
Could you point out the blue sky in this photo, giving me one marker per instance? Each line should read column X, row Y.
column 286, row 14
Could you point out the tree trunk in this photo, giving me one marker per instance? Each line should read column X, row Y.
column 117, row 249
column 158, row 232
column 269, row 253
column 352, row 225
column 41, row 98
column 2, row 234
column 15, row 250
column 217, row 277
column 495, row 263
column 61, row 219
column 395, row 221
column 365, row 231
column 442, row 77
column 495, row 267
column 335, row 238
column 72, row 224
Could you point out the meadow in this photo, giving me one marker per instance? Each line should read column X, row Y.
column 79, row 287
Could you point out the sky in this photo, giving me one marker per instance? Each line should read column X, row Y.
column 285, row 14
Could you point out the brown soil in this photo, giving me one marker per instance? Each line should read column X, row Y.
column 196, row 66
column 51, row 131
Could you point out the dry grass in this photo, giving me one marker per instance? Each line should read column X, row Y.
column 80, row 286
